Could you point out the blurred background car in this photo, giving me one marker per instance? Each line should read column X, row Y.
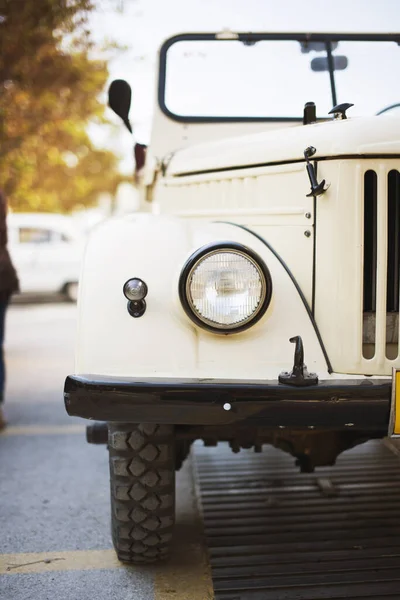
column 46, row 250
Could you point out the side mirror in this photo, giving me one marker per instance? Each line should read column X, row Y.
column 119, row 100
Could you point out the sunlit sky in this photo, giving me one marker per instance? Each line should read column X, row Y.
column 142, row 25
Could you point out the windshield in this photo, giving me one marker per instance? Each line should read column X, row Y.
column 264, row 78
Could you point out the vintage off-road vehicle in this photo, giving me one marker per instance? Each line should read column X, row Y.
column 275, row 219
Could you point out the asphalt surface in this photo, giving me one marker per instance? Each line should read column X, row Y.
column 54, row 513
column 39, row 353
column 54, row 510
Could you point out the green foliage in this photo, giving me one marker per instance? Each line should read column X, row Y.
column 49, row 87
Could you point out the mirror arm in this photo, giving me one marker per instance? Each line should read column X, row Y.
column 331, row 72
column 127, row 125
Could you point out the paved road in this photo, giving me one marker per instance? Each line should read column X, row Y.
column 54, row 512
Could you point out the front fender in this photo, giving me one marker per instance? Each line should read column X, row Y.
column 164, row 342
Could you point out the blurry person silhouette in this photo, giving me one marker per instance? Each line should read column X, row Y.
column 8, row 285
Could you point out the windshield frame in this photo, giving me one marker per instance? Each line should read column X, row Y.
column 249, row 37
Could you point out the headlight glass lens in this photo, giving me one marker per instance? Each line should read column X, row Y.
column 226, row 289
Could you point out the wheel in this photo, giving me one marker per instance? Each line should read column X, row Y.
column 71, row 291
column 142, row 480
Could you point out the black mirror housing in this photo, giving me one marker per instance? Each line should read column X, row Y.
column 119, row 100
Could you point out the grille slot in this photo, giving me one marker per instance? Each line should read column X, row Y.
column 370, row 262
column 370, row 240
column 381, row 265
column 392, row 298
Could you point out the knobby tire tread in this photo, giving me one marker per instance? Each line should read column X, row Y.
column 142, row 481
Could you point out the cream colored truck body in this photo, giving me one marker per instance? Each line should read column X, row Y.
column 271, row 200
column 257, row 180
column 162, row 380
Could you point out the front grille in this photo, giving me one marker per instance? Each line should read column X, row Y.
column 381, row 254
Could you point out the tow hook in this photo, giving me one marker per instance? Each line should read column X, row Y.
column 299, row 375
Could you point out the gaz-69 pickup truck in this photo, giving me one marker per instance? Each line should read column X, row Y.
column 258, row 302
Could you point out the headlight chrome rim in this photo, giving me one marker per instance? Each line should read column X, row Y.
column 209, row 250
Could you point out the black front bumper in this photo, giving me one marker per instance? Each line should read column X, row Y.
column 335, row 404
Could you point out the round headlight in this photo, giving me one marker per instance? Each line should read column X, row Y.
column 225, row 287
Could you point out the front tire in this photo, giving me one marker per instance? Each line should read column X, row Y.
column 142, row 479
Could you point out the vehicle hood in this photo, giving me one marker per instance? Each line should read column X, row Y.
column 358, row 136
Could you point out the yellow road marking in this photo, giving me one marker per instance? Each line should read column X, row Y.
column 42, row 429
column 42, row 562
column 187, row 574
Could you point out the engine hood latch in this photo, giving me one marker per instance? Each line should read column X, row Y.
column 299, row 375
column 316, row 188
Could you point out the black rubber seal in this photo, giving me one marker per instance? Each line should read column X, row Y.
column 252, row 38
column 278, row 163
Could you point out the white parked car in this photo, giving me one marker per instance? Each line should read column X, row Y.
column 276, row 219
column 46, row 250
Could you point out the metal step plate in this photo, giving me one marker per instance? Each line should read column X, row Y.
column 276, row 534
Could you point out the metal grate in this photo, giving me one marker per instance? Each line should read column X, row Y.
column 276, row 534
